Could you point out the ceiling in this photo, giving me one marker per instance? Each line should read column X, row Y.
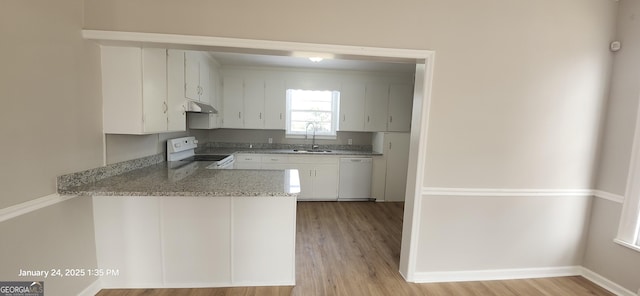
column 259, row 60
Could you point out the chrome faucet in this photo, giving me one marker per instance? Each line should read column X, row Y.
column 314, row 146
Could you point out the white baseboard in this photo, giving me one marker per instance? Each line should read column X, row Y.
column 92, row 289
column 495, row 274
column 605, row 283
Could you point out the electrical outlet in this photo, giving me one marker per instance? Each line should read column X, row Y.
column 350, row 141
column 270, row 140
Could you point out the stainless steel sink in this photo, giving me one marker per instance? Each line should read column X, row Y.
column 310, row 151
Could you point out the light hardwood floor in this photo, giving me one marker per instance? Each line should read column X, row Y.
column 353, row 248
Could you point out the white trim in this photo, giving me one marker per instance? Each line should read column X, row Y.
column 92, row 289
column 605, row 283
column 629, row 224
column 496, row 274
column 436, row 191
column 608, row 196
column 30, row 206
column 626, row 244
column 136, row 38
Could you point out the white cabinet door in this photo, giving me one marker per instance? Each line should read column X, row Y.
column 192, row 75
column 134, row 90
column 275, row 104
column 233, row 102
column 397, row 154
column 196, row 240
column 197, row 69
column 376, row 99
column 352, row 102
column 175, row 90
column 325, row 181
column 154, row 86
column 205, row 79
column 254, row 103
column 306, row 175
column 400, row 104
column 263, row 240
column 128, row 239
column 318, row 176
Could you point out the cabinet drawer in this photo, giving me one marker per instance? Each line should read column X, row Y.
column 253, row 158
column 323, row 159
column 274, row 158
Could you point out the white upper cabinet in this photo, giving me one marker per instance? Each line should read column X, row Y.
column 254, row 103
column 134, row 90
column 197, row 85
column 275, row 104
column 400, row 104
column 352, row 107
column 375, row 107
column 233, row 102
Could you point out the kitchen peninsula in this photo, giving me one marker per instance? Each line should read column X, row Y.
column 160, row 227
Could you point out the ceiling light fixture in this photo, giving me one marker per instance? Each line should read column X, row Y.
column 316, row 59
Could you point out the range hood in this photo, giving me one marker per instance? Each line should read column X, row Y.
column 197, row 107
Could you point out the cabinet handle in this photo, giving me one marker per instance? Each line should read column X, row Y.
column 239, row 115
column 391, row 119
column 260, row 115
column 280, row 116
column 367, row 118
column 310, row 173
column 165, row 107
column 344, row 117
column 390, row 145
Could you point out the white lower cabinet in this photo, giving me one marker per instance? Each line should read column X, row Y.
column 263, row 240
column 195, row 241
column 128, row 239
column 318, row 177
column 161, row 242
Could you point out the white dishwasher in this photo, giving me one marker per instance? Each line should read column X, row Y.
column 355, row 179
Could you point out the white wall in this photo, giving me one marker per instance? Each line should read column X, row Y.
column 619, row 264
column 517, row 95
column 50, row 123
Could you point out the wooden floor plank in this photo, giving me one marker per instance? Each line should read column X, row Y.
column 353, row 248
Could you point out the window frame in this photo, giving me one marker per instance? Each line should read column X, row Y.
column 629, row 228
column 335, row 114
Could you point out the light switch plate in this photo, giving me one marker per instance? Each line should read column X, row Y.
column 350, row 141
column 270, row 140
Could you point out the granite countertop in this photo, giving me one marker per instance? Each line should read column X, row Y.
column 193, row 179
column 217, row 150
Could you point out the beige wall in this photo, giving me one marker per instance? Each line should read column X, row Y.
column 463, row 233
column 56, row 237
column 603, row 256
column 50, row 92
column 127, row 147
column 612, row 261
column 50, row 124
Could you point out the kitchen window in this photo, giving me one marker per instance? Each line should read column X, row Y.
column 312, row 112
